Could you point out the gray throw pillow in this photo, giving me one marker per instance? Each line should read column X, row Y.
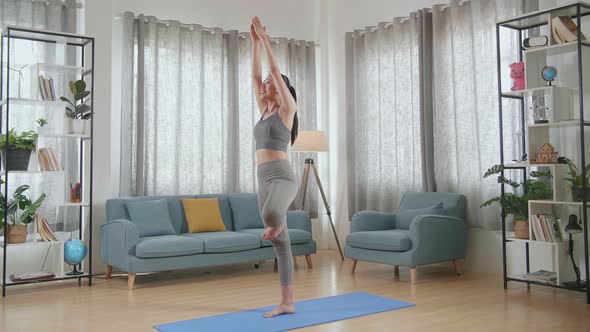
column 151, row 217
column 245, row 211
column 405, row 216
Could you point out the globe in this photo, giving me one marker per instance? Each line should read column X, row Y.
column 74, row 253
column 549, row 73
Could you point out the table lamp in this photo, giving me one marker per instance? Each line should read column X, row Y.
column 573, row 228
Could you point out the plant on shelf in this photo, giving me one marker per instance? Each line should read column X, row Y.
column 575, row 179
column 16, row 149
column 516, row 203
column 20, row 211
column 42, row 126
column 77, row 110
column 41, row 122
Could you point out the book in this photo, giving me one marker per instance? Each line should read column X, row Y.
column 547, row 227
column 564, row 30
column 25, row 276
column 44, row 230
column 537, row 231
column 555, row 229
column 540, row 276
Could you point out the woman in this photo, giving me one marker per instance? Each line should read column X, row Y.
column 277, row 185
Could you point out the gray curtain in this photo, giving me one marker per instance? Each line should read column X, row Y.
column 188, row 110
column 55, row 15
column 422, row 101
column 386, row 108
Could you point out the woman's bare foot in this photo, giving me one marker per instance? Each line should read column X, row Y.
column 281, row 309
column 271, row 233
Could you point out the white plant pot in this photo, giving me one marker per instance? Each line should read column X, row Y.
column 75, row 126
column 45, row 130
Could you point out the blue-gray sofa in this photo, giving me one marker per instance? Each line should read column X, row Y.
column 131, row 247
column 428, row 228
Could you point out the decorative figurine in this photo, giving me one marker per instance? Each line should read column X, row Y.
column 546, row 155
column 517, row 76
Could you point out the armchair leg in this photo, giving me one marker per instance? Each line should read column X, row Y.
column 130, row 281
column 457, row 264
column 413, row 275
column 276, row 267
column 354, row 261
column 396, row 271
column 308, row 260
column 109, row 273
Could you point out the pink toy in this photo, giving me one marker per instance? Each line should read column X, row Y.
column 517, row 75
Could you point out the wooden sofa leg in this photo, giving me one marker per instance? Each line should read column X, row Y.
column 354, row 261
column 413, row 275
column 396, row 271
column 130, row 281
column 109, row 273
column 308, row 260
column 457, row 264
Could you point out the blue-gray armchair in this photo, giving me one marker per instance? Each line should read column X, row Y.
column 428, row 228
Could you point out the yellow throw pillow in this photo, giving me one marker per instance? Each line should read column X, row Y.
column 203, row 215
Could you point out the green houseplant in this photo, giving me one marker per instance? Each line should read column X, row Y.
column 16, row 152
column 516, row 203
column 575, row 179
column 76, row 110
column 20, row 212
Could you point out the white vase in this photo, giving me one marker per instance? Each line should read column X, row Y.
column 75, row 126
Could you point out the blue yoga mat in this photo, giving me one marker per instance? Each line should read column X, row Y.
column 310, row 312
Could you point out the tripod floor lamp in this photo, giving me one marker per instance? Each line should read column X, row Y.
column 313, row 141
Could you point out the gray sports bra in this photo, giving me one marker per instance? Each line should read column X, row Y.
column 271, row 133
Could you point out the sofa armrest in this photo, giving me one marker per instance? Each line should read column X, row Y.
column 118, row 240
column 372, row 221
column 299, row 219
column 437, row 238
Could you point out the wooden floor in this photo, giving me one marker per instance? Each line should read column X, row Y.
column 444, row 302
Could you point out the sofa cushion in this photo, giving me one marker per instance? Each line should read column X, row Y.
column 203, row 215
column 224, row 209
column 245, row 211
column 297, row 236
column 406, row 216
column 167, row 246
column 216, row 242
column 388, row 240
column 151, row 217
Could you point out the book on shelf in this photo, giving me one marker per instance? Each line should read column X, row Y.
column 564, row 30
column 46, row 88
column 546, row 228
column 26, row 276
column 540, row 276
column 48, row 160
column 45, row 232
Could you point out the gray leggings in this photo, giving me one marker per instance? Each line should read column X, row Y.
column 277, row 187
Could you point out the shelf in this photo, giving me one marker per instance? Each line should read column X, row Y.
column 28, row 243
column 46, row 36
column 513, row 239
column 528, row 92
column 556, row 202
column 50, row 66
column 515, row 166
column 39, row 102
column 83, row 136
column 541, row 17
column 65, row 277
column 548, row 284
column 35, row 172
column 569, row 123
column 555, row 49
column 74, row 205
column 540, row 165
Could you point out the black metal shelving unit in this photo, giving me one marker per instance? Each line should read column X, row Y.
column 83, row 48
column 523, row 26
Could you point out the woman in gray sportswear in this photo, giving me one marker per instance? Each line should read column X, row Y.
column 277, row 185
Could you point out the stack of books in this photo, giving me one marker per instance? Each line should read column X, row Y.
column 26, row 276
column 46, row 88
column 540, row 276
column 546, row 228
column 564, row 30
column 48, row 159
column 45, row 232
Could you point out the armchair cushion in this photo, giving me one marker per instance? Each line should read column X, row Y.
column 388, row 240
column 151, row 217
column 406, row 216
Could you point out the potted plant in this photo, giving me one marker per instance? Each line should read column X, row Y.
column 575, row 179
column 42, row 129
column 21, row 212
column 516, row 203
column 17, row 151
column 77, row 112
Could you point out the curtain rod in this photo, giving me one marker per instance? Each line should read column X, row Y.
column 241, row 35
column 64, row 3
column 407, row 18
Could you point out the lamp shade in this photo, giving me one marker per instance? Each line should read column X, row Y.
column 310, row 141
column 572, row 226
